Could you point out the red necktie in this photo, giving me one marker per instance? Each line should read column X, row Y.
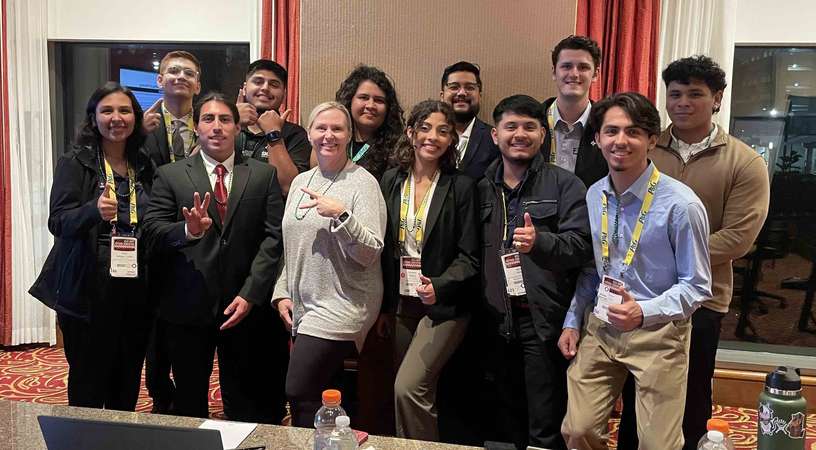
column 220, row 191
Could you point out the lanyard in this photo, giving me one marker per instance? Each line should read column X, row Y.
column 551, row 123
column 633, row 244
column 405, row 202
column 131, row 185
column 359, row 155
column 168, row 125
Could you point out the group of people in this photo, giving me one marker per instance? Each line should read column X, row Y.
column 581, row 250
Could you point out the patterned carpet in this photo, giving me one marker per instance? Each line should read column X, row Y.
column 41, row 375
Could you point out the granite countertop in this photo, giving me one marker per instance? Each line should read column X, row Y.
column 21, row 431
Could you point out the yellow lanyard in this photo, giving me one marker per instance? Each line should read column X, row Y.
column 131, row 186
column 168, row 125
column 405, row 202
column 633, row 244
column 551, row 123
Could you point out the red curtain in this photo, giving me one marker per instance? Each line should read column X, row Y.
column 5, row 193
column 627, row 31
column 286, row 30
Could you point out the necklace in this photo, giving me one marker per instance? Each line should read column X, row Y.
column 330, row 183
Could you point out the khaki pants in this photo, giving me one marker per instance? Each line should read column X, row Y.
column 426, row 349
column 656, row 356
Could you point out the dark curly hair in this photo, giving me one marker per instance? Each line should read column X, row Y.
column 380, row 155
column 406, row 154
column 573, row 42
column 698, row 67
column 640, row 110
column 88, row 133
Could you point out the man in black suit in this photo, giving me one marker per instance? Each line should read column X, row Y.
column 213, row 230
column 462, row 89
column 570, row 141
column 170, row 136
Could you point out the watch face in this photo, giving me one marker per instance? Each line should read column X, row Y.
column 273, row 136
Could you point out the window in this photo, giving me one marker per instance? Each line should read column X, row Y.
column 774, row 111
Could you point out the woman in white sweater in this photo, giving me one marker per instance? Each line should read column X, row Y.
column 330, row 287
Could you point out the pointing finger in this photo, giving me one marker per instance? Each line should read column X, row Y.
column 154, row 108
column 241, row 96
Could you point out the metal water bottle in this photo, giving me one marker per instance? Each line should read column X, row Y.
column 782, row 412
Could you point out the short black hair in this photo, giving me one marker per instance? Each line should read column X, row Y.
column 217, row 97
column 697, row 67
column 520, row 104
column 573, row 42
column 272, row 66
column 641, row 111
column 462, row 66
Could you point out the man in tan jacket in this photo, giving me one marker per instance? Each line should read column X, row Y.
column 732, row 181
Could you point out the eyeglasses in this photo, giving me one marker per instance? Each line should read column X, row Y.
column 469, row 87
column 178, row 70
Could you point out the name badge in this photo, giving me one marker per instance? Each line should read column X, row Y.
column 513, row 278
column 606, row 297
column 410, row 270
column 124, row 261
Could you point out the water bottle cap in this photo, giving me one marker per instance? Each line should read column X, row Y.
column 715, row 436
column 718, row 425
column 332, row 396
column 784, row 380
column 342, row 421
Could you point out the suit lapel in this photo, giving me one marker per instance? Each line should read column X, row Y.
column 164, row 147
column 240, row 177
column 441, row 191
column 395, row 198
column 473, row 142
column 201, row 184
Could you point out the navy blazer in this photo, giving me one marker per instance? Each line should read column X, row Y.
column 480, row 152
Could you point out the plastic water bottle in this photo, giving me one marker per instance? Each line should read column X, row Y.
column 325, row 417
column 342, row 438
column 721, row 426
column 713, row 440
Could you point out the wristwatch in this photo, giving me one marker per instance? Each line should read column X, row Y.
column 342, row 217
column 273, row 136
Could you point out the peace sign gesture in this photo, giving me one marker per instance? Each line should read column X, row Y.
column 326, row 206
column 197, row 219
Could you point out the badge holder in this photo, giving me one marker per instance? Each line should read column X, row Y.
column 513, row 277
column 410, row 270
column 124, row 260
column 606, row 297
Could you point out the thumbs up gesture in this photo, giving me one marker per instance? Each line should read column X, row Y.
column 426, row 291
column 524, row 237
column 628, row 315
column 106, row 205
column 247, row 113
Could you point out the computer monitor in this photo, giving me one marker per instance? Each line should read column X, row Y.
column 143, row 85
column 68, row 433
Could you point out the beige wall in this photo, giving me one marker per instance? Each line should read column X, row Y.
column 413, row 41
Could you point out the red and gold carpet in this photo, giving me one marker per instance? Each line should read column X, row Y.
column 41, row 375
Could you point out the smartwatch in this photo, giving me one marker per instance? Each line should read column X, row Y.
column 342, row 217
column 273, row 136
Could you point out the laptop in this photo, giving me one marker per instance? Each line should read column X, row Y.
column 68, row 433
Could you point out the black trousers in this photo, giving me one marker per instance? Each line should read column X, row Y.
column 105, row 354
column 314, row 364
column 527, row 388
column 157, row 371
column 705, row 337
column 252, row 361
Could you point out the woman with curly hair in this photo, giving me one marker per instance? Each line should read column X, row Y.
column 377, row 118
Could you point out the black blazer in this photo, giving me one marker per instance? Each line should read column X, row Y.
column 590, row 166
column 451, row 251
column 481, row 151
column 68, row 281
column 195, row 280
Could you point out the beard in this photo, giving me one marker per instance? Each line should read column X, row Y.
column 465, row 116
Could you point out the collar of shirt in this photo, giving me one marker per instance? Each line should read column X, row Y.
column 683, row 147
column 209, row 163
column 637, row 189
column 187, row 118
column 466, row 134
column 582, row 120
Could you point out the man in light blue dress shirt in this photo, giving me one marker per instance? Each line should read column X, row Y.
column 651, row 272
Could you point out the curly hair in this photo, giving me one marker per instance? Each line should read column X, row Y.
column 88, row 133
column 406, row 153
column 698, row 67
column 382, row 145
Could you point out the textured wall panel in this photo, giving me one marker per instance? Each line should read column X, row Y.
column 413, row 41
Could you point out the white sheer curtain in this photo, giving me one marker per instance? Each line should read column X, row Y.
column 691, row 27
column 31, row 165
